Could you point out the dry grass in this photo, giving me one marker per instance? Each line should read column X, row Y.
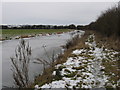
column 111, row 66
column 110, row 43
column 113, row 43
column 47, row 76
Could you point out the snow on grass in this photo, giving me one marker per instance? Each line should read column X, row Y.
column 55, row 84
column 54, row 73
column 77, row 52
column 84, row 70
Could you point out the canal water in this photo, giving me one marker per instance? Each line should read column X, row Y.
column 52, row 45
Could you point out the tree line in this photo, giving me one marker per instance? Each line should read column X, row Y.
column 108, row 22
column 71, row 26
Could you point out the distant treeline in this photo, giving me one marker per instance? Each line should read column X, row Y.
column 71, row 26
column 108, row 23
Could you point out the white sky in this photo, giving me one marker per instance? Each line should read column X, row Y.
column 59, row 0
column 52, row 12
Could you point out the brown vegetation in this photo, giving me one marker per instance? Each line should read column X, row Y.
column 111, row 42
column 20, row 65
column 48, row 77
column 108, row 23
column 71, row 45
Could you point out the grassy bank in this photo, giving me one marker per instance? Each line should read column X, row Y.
column 110, row 64
column 17, row 32
column 47, row 76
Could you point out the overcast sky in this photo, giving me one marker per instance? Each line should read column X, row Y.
column 52, row 12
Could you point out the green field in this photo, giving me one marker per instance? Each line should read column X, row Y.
column 17, row 32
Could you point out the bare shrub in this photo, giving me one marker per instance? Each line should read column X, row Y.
column 72, row 42
column 45, row 63
column 20, row 64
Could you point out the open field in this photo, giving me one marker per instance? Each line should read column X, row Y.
column 7, row 33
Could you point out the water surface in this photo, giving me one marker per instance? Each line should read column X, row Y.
column 53, row 43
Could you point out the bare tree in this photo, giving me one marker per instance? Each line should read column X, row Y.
column 20, row 64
